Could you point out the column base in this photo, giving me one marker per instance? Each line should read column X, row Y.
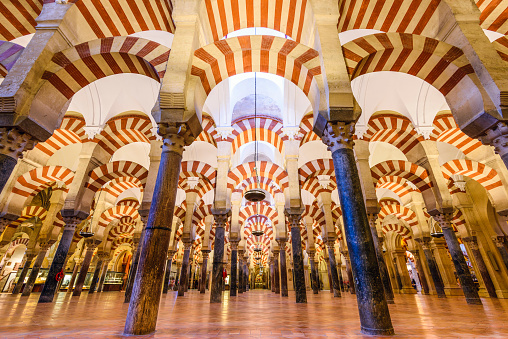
column 408, row 290
column 502, row 294
column 453, row 291
column 373, row 331
column 475, row 301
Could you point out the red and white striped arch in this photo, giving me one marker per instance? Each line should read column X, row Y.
column 446, row 130
column 129, row 202
column 291, row 17
column 17, row 242
column 38, row 179
column 9, row 53
column 70, row 132
column 121, row 241
column 201, row 212
column 313, row 186
column 252, row 182
column 114, row 170
column 494, row 14
column 29, row 212
column 198, row 169
column 119, row 185
column 400, row 212
column 17, row 18
column 200, row 189
column 265, row 169
column 397, row 185
column 77, row 67
column 267, row 129
column 258, row 53
column 106, row 18
column 399, row 229
column 316, row 167
column 391, row 16
column 394, row 129
column 306, row 126
column 441, row 65
column 208, row 134
column 404, row 169
column 263, row 210
column 117, row 212
column 125, row 230
column 124, row 130
column 501, row 46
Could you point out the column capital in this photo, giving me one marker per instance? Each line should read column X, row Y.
column 415, row 252
column 102, row 256
column 282, row 243
column 499, row 240
column 175, row 136
column 71, row 222
column 444, row 220
column 331, row 243
column 92, row 243
column 424, row 242
column 294, row 216
column 14, row 141
column 497, row 136
column 372, row 219
column 338, row 135
column 234, row 244
column 276, row 252
column 187, row 245
column 221, row 216
column 472, row 242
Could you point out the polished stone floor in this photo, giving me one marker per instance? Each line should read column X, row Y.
column 255, row 314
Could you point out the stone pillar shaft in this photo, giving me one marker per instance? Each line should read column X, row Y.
column 434, row 271
column 313, row 275
column 480, row 264
column 103, row 274
column 421, row 272
column 73, row 277
column 202, row 287
column 383, row 270
column 466, row 281
column 84, row 270
column 96, row 275
column 298, row 271
column 57, row 265
column 24, row 271
column 234, row 260
column 147, row 287
column 372, row 306
column 167, row 275
column 334, row 283
column 350, row 276
column 35, row 271
column 276, row 273
column 218, row 255
column 132, row 271
column 184, row 277
column 283, row 270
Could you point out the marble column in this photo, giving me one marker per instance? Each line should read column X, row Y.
column 221, row 218
column 13, row 142
column 500, row 244
column 421, row 272
column 240, row 272
column 75, row 271
column 204, row 266
column 147, row 288
column 328, row 268
column 341, row 279
column 472, row 243
column 276, row 271
column 29, row 256
column 334, row 283
column 91, row 244
column 313, row 273
column 296, row 243
column 137, row 244
column 272, row 275
column 349, row 273
column 399, row 259
column 102, row 278
column 372, row 306
column 35, row 269
column 184, row 277
column 283, row 269
column 167, row 275
column 397, row 274
column 246, row 276
column 466, row 281
column 383, row 270
column 97, row 272
column 50, row 286
column 234, row 268
column 431, row 263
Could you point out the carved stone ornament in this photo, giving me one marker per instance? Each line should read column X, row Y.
column 497, row 136
column 175, row 137
column 444, row 220
column 338, row 135
column 13, row 142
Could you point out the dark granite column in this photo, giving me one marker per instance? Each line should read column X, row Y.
column 341, row 279
column 397, row 273
column 75, row 271
column 184, row 273
column 372, row 306
column 330, row 282
column 313, row 273
column 276, row 271
column 104, row 272
column 203, row 270
column 13, row 141
column 91, row 244
column 246, row 275
column 35, row 269
column 466, row 281
column 472, row 243
column 434, row 271
column 383, row 270
column 272, row 275
column 421, row 272
column 240, row 271
column 283, row 269
column 167, row 275
column 296, row 243
column 97, row 271
column 29, row 256
column 349, row 273
column 147, row 288
column 334, row 283
column 50, row 286
column 221, row 218
column 136, row 250
column 234, row 268
column 499, row 242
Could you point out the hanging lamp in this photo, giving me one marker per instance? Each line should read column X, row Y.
column 435, row 233
column 256, row 194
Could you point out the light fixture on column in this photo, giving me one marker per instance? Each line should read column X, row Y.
column 255, row 194
column 435, row 233
column 87, row 232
